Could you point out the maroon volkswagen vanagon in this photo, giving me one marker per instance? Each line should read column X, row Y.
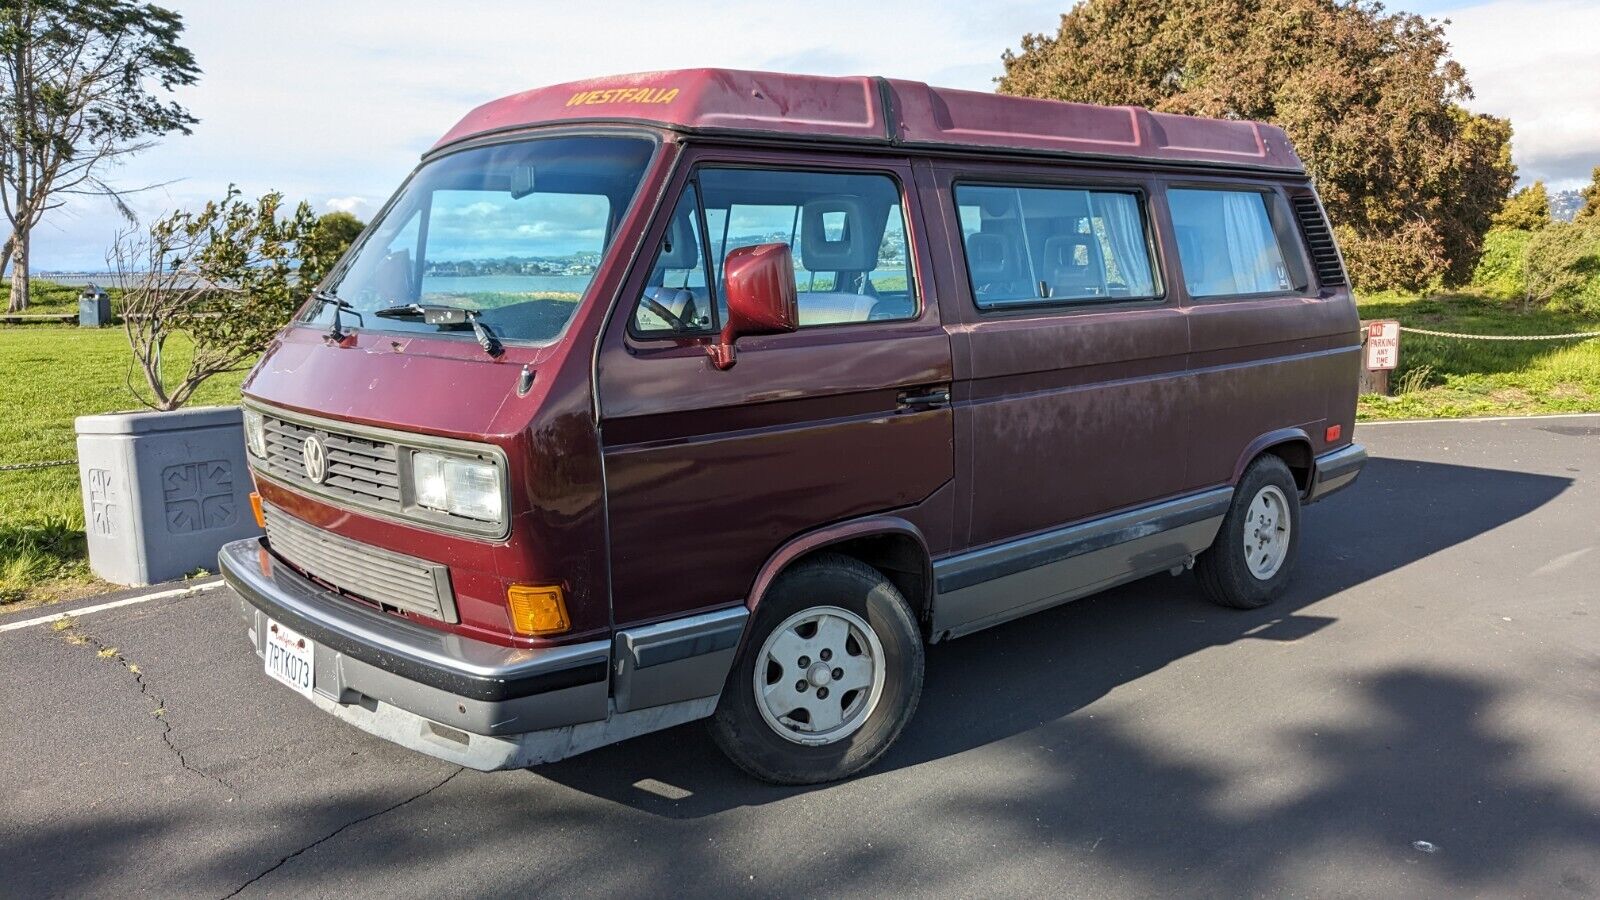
column 717, row 394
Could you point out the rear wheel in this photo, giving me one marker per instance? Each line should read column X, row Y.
column 828, row 677
column 1251, row 561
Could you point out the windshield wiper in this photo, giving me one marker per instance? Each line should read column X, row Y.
column 337, row 334
column 444, row 314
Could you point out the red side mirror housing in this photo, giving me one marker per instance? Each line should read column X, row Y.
column 758, row 283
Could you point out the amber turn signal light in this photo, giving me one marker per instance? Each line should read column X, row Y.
column 255, row 507
column 537, row 609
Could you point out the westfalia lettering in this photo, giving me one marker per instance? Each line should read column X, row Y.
column 623, row 95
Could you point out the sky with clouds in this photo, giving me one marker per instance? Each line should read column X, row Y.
column 333, row 102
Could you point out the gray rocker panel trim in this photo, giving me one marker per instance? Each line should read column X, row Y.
column 678, row 660
column 996, row 584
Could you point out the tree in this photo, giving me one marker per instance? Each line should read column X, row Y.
column 1526, row 210
column 226, row 276
column 330, row 236
column 81, row 85
column 1591, row 199
column 1371, row 100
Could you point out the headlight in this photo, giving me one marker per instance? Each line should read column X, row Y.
column 468, row 488
column 255, row 436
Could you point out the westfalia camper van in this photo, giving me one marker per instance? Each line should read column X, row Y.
column 716, row 394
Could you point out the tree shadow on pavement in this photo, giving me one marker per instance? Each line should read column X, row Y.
column 1418, row 761
column 1414, row 754
column 1012, row 678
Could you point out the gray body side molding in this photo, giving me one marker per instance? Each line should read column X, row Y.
column 996, row 584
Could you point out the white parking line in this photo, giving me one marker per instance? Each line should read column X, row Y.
column 1476, row 419
column 126, row 601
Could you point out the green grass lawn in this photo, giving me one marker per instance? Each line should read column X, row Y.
column 1449, row 377
column 49, row 375
column 49, row 298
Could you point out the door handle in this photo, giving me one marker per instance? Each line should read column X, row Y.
column 926, row 399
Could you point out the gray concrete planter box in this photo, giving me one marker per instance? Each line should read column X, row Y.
column 162, row 491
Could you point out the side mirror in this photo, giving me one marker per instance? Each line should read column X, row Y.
column 758, row 283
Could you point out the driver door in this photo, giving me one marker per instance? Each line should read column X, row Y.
column 709, row 472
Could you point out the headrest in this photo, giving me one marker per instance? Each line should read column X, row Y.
column 853, row 248
column 680, row 250
column 990, row 256
column 1061, row 252
column 1067, row 276
column 997, row 203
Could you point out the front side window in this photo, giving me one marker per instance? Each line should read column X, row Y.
column 512, row 232
column 1037, row 245
column 677, row 296
column 1228, row 243
column 847, row 234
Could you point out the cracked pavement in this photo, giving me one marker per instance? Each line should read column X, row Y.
column 68, row 630
column 1418, row 716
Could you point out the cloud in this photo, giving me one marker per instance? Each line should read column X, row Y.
column 357, row 206
column 1537, row 62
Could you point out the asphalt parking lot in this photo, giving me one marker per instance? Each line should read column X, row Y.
column 1419, row 716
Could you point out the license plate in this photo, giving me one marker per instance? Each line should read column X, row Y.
column 290, row 658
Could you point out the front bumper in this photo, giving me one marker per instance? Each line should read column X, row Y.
column 1335, row 471
column 478, row 704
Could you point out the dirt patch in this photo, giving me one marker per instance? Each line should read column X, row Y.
column 1510, row 396
column 1566, row 390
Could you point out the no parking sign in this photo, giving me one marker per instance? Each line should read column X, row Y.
column 1383, row 344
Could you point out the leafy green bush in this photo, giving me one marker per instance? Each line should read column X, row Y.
column 1562, row 268
column 225, row 276
column 1500, row 272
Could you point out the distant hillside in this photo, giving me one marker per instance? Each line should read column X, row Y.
column 1564, row 205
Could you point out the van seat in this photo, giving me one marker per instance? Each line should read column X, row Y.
column 997, row 266
column 832, row 308
column 1068, row 278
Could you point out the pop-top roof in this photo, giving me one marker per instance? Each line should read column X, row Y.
column 882, row 111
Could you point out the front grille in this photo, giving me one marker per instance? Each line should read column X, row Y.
column 382, row 576
column 361, row 470
column 1319, row 240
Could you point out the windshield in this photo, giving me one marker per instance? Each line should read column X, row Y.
column 514, row 230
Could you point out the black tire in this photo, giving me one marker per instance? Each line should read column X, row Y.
column 826, row 580
column 1224, row 572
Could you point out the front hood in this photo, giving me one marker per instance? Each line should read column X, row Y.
column 439, row 387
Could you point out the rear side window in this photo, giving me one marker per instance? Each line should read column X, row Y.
column 1037, row 245
column 1229, row 243
column 847, row 233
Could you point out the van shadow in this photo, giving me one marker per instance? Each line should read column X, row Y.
column 1017, row 677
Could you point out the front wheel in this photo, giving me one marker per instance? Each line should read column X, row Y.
column 827, row 678
column 1250, row 562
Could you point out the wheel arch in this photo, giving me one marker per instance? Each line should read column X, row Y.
column 890, row 544
column 1292, row 445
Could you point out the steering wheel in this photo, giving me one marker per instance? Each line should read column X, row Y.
column 672, row 319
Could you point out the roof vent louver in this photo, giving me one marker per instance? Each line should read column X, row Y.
column 1319, row 240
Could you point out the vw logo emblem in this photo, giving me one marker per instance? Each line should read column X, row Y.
column 315, row 459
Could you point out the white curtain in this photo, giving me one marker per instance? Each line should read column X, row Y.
column 1125, row 232
column 1252, row 250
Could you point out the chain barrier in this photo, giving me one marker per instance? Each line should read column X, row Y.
column 1503, row 337
column 47, row 464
